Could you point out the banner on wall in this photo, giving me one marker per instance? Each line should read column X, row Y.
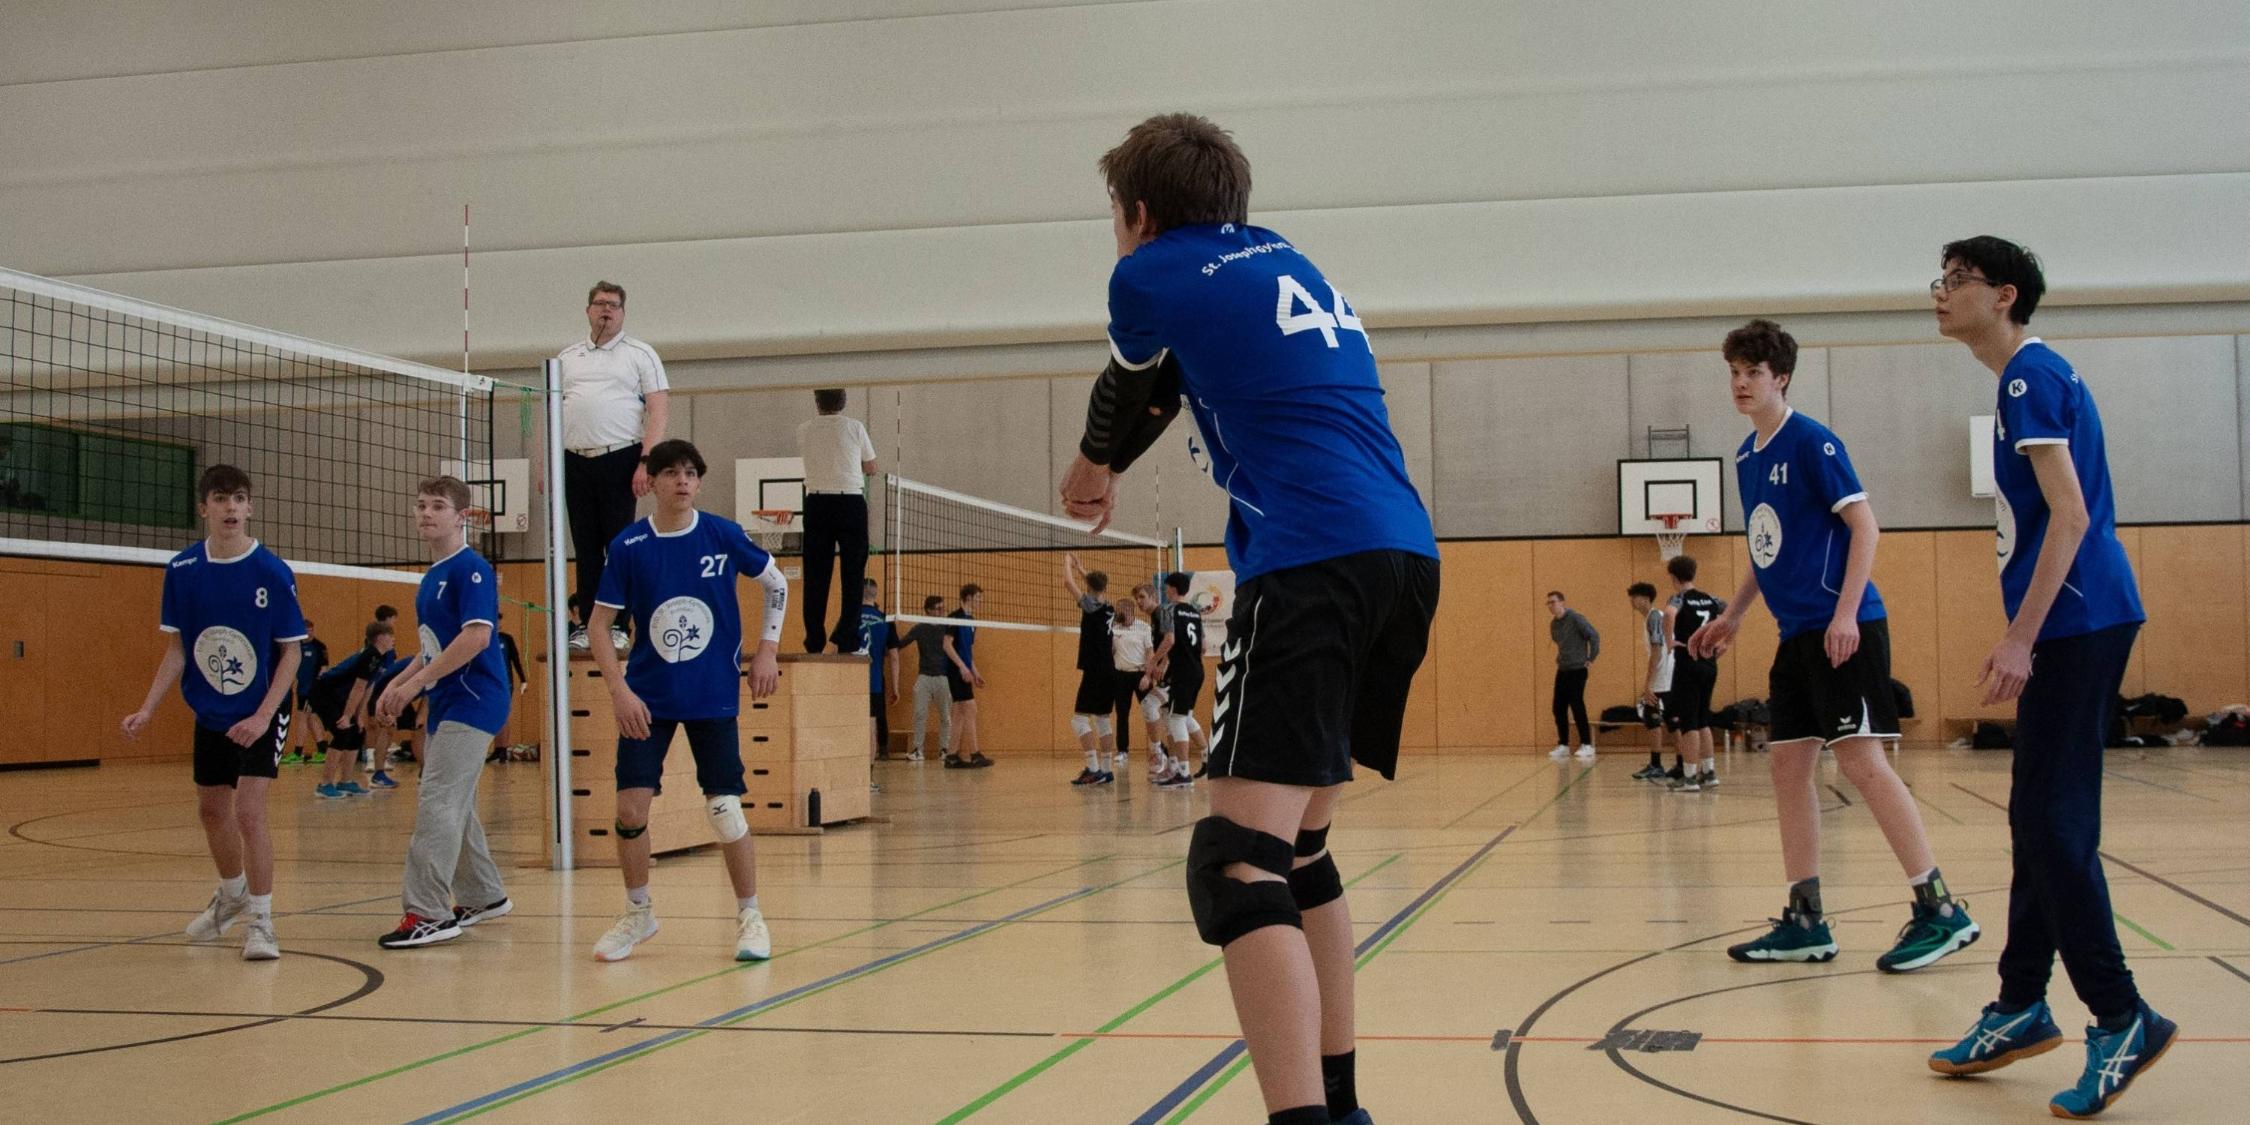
column 1212, row 591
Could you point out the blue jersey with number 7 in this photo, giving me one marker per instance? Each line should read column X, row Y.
column 1276, row 369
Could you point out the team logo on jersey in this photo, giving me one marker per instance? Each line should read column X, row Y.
column 1828, row 447
column 226, row 658
column 681, row 629
column 430, row 645
column 2016, row 388
column 1765, row 536
column 2004, row 528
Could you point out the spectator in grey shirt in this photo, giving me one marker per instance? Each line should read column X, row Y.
column 1577, row 646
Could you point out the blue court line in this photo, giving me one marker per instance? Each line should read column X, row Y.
column 530, row 1084
column 175, row 932
column 1180, row 1093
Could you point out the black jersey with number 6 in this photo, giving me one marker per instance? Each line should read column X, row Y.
column 1186, row 659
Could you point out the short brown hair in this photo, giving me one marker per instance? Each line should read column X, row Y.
column 449, row 487
column 933, row 603
column 1183, row 168
column 601, row 287
column 828, row 401
column 1681, row 567
column 226, row 480
column 971, row 590
column 1762, row 341
column 378, row 629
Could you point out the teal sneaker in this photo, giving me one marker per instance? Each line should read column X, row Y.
column 1791, row 939
column 2000, row 1038
column 2113, row 1060
column 327, row 792
column 1930, row 934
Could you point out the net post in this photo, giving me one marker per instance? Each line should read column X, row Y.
column 892, row 536
column 560, row 832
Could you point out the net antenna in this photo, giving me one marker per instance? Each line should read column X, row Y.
column 938, row 540
column 769, row 528
column 1671, row 539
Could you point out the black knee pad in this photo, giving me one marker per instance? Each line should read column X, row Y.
column 630, row 831
column 1312, row 841
column 1316, row 884
column 1226, row 908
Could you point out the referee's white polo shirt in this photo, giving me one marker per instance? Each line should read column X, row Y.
column 834, row 446
column 603, row 385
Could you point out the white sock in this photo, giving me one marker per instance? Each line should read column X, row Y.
column 638, row 896
column 1921, row 879
column 261, row 906
column 750, row 903
column 1710, row 765
column 235, row 887
column 1093, row 761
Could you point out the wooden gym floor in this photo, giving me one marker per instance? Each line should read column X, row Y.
column 1008, row 949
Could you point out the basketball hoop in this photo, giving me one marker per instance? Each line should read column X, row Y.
column 1671, row 538
column 480, row 520
column 769, row 528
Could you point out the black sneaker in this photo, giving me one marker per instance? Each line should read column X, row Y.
column 1675, row 773
column 1650, row 772
column 953, row 763
column 413, row 931
column 979, row 760
column 1203, row 771
column 1105, row 778
column 467, row 916
column 1086, row 777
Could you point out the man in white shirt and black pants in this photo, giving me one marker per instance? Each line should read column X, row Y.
column 615, row 405
column 839, row 457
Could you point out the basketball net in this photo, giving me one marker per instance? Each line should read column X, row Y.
column 1671, row 539
column 769, row 528
column 480, row 520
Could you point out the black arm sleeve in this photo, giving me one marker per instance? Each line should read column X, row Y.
column 1128, row 411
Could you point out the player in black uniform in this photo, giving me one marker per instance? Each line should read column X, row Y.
column 1089, row 716
column 1180, row 655
column 339, row 698
column 1687, row 709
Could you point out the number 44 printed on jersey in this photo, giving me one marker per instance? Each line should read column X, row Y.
column 1314, row 319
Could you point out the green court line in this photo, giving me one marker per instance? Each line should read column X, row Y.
column 1229, row 1074
column 1159, row 996
column 2160, row 943
column 592, row 1012
column 691, row 1036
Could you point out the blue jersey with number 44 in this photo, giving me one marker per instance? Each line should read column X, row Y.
column 1276, row 368
column 458, row 591
column 678, row 587
column 2043, row 402
column 229, row 614
column 1795, row 489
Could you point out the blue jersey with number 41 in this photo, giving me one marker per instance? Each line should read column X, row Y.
column 1276, row 368
column 1795, row 488
column 678, row 587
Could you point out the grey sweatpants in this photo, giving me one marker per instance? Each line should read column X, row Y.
column 931, row 691
column 448, row 862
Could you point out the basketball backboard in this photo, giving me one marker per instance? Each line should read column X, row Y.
column 1687, row 488
column 504, row 490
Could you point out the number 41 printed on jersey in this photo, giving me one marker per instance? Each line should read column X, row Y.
column 1315, row 318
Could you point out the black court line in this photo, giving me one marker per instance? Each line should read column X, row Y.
column 2230, row 968
column 637, row 1024
column 371, row 980
column 2159, row 785
column 151, row 939
column 1841, row 796
column 2143, row 872
column 1617, row 1057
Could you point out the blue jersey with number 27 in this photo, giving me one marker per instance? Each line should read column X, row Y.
column 1276, row 368
column 679, row 588
column 1794, row 491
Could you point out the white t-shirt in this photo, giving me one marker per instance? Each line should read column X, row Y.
column 834, row 446
column 1129, row 645
column 1656, row 638
column 603, row 388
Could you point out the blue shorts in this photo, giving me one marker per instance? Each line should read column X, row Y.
column 716, row 744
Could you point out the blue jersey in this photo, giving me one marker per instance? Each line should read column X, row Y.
column 2043, row 402
column 964, row 640
column 875, row 644
column 229, row 614
column 1277, row 372
column 1795, row 490
column 679, row 589
column 459, row 591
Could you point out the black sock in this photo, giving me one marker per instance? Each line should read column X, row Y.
column 1931, row 893
column 2005, row 1008
column 2120, row 1021
column 1336, row 1076
column 1804, row 899
column 1301, row 1115
column 1678, row 762
column 1656, row 759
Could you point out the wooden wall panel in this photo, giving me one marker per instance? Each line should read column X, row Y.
column 1592, row 575
column 2192, row 585
column 1479, row 669
column 1970, row 622
column 1906, row 574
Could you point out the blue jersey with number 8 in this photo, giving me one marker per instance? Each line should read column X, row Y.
column 229, row 613
column 1276, row 369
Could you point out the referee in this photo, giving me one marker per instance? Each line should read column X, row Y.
column 838, row 458
column 615, row 403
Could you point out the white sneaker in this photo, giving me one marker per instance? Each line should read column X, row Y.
column 1118, row 758
column 258, row 943
column 751, row 941
column 1560, row 752
column 579, row 641
column 217, row 917
column 914, row 755
column 618, row 639
column 636, row 925
column 1586, row 751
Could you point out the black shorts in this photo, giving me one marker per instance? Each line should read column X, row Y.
column 959, row 687
column 716, row 744
column 347, row 739
column 1688, row 705
column 1182, row 691
column 1812, row 699
column 1317, row 665
column 1097, row 692
column 218, row 761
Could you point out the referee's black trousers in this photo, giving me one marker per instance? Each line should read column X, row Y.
column 835, row 525
column 598, row 495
